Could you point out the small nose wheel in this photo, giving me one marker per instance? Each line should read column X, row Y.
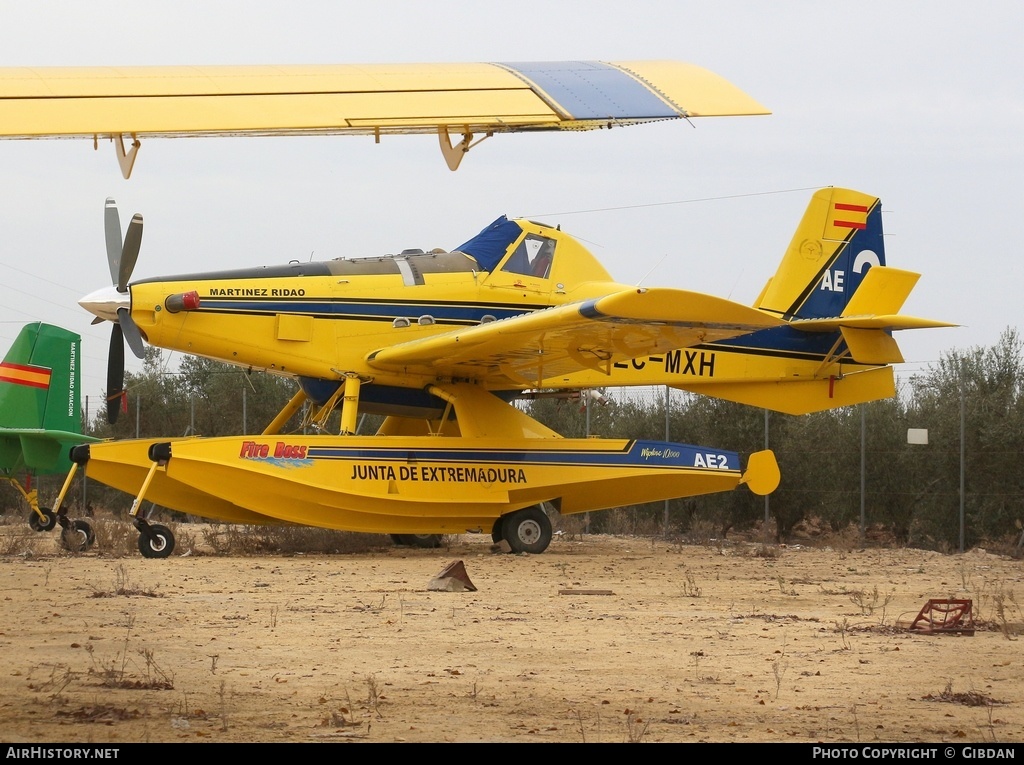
column 77, row 536
column 155, row 540
column 46, row 523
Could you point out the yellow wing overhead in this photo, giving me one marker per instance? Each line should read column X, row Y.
column 367, row 99
column 534, row 347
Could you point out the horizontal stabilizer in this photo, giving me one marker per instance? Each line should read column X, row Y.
column 871, row 314
column 870, row 346
column 804, row 396
column 882, row 290
column 885, row 322
column 36, row 450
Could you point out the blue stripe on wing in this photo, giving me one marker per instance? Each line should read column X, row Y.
column 593, row 90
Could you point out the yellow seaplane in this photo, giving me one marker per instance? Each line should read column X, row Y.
column 441, row 342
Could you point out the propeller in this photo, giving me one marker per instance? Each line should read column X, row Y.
column 115, row 373
column 121, row 259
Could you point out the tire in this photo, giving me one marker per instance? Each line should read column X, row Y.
column 78, row 536
column 40, row 525
column 496, row 534
column 157, row 543
column 527, row 531
column 89, row 533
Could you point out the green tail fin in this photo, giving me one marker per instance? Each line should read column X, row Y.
column 39, row 380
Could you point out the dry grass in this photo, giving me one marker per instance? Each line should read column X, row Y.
column 123, row 586
column 132, row 669
column 964, row 698
column 17, row 538
column 224, row 539
column 114, row 538
column 117, row 537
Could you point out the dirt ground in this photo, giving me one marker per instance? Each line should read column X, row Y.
column 605, row 639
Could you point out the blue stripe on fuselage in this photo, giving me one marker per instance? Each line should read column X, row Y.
column 784, row 341
column 340, row 309
column 637, row 453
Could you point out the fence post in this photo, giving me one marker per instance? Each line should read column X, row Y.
column 766, row 496
column 667, row 438
column 863, row 470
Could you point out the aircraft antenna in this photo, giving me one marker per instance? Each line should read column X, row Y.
column 247, row 374
column 642, row 280
column 739, row 275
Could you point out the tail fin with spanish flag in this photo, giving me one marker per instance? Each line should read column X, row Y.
column 39, row 399
column 841, row 303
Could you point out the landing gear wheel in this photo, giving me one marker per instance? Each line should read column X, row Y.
column 78, row 536
column 156, row 542
column 42, row 525
column 527, row 530
column 496, row 530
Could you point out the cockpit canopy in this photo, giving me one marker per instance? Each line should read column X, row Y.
column 487, row 252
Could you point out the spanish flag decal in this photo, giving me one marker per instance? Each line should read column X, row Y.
column 849, row 216
column 20, row 374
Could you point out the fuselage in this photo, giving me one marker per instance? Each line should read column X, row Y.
column 327, row 321
column 322, row 320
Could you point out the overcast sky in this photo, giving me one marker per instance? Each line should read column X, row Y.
column 920, row 103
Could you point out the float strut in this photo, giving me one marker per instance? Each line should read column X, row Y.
column 63, row 489
column 160, row 454
column 350, row 405
column 285, row 414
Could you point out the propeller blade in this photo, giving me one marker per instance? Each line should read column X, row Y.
column 129, row 253
column 112, row 234
column 115, row 374
column 131, row 333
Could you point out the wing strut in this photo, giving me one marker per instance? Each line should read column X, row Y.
column 453, row 154
column 831, row 357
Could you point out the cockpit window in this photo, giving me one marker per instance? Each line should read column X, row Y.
column 532, row 257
